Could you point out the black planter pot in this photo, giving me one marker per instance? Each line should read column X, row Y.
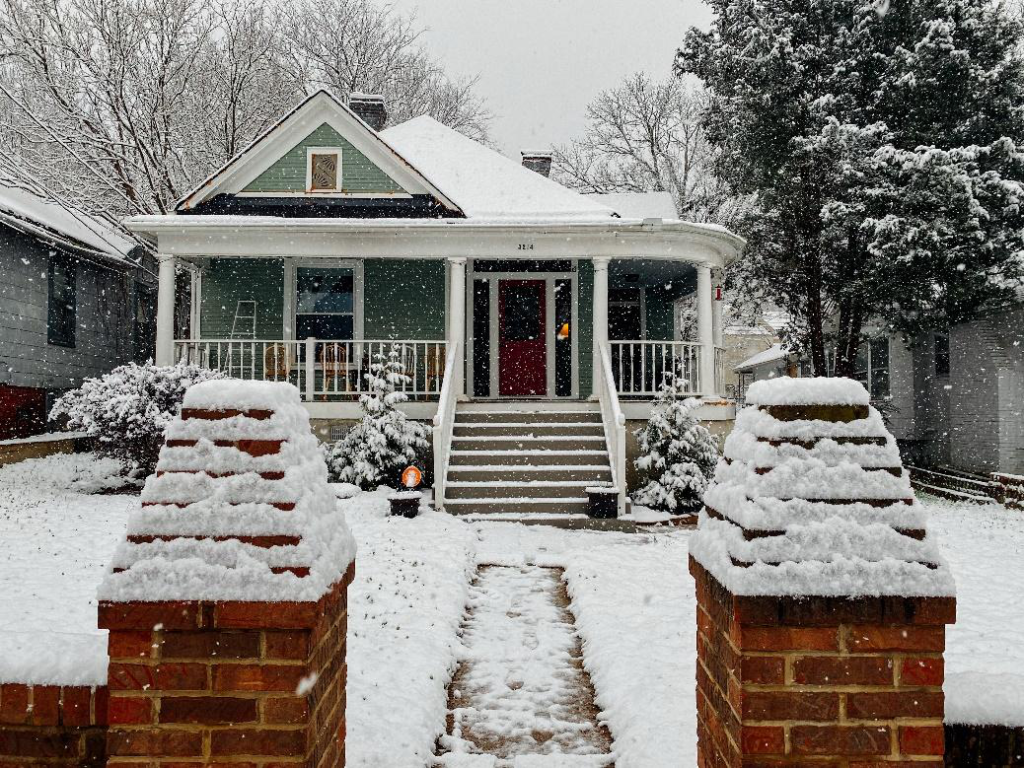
column 604, row 503
column 405, row 504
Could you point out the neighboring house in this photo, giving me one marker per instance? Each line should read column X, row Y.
column 74, row 302
column 329, row 240
column 952, row 400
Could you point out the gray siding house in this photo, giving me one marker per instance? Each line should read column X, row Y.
column 76, row 300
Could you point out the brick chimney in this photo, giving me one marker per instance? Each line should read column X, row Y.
column 370, row 107
column 537, row 161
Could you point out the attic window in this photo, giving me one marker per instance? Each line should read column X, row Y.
column 323, row 173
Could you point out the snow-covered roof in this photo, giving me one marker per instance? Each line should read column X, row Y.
column 770, row 355
column 482, row 182
column 60, row 224
column 639, row 205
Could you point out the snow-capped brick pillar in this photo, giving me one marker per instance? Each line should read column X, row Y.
column 822, row 599
column 226, row 605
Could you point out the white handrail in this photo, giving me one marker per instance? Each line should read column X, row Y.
column 444, row 421
column 614, row 424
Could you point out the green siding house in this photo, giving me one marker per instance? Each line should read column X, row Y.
column 330, row 240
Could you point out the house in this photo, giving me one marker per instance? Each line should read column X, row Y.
column 76, row 301
column 530, row 318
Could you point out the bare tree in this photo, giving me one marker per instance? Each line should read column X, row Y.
column 646, row 136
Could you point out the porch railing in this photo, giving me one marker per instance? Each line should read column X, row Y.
column 614, row 423
column 639, row 367
column 321, row 368
column 444, row 421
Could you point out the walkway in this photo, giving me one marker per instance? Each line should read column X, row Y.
column 521, row 696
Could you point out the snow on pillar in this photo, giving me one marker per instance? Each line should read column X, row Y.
column 705, row 332
column 165, row 311
column 457, row 306
column 227, row 603
column 600, row 312
column 822, row 598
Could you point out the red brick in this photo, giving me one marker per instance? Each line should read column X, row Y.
column 210, row 644
column 839, row 740
column 763, row 670
column 896, row 764
column 934, row 610
column 76, row 704
column 162, row 677
column 843, row 670
column 922, row 740
column 13, row 704
column 756, row 740
column 786, row 639
column 124, row 644
column 207, row 710
column 909, row 638
column 237, row 615
column 148, row 616
column 253, row 741
column 31, row 743
column 45, row 705
column 286, row 645
column 250, row 677
column 790, row 705
column 886, row 705
column 259, row 447
column 917, row 671
column 149, row 742
column 286, row 710
column 130, row 710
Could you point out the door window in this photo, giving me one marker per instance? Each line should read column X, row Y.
column 521, row 315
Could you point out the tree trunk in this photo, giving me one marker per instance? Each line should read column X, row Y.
column 815, row 315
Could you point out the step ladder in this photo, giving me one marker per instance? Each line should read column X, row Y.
column 243, row 328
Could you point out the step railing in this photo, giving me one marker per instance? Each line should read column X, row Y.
column 444, row 422
column 614, row 422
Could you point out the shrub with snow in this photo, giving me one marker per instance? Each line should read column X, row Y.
column 384, row 442
column 127, row 409
column 677, row 454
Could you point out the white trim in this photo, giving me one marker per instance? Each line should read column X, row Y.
column 320, row 108
column 196, row 302
column 332, row 195
column 358, row 309
column 339, row 182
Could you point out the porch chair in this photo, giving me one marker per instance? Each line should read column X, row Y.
column 277, row 362
column 334, row 364
column 435, row 368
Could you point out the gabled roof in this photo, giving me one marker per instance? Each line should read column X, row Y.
column 61, row 224
column 773, row 353
column 320, row 108
column 484, row 183
column 639, row 205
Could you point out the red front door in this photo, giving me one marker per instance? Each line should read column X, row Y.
column 522, row 346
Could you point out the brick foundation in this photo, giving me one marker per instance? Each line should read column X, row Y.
column 844, row 683
column 48, row 725
column 217, row 683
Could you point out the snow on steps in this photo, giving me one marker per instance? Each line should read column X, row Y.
column 948, row 483
column 525, row 458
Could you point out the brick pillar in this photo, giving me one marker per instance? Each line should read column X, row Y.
column 219, row 682
column 226, row 604
column 811, row 656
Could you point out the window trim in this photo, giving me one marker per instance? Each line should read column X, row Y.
column 72, row 264
column 339, row 184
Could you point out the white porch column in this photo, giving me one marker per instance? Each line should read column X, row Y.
column 457, row 310
column 600, row 306
column 705, row 332
column 165, row 311
column 716, row 308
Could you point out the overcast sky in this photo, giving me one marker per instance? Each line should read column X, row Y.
column 542, row 61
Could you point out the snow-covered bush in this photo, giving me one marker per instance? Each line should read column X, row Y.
column 127, row 409
column 677, row 454
column 384, row 442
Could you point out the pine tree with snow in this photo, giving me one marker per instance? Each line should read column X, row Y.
column 677, row 454
column 384, row 442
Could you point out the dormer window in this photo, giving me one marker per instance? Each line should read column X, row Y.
column 323, row 170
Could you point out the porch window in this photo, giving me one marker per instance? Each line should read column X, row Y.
column 62, row 306
column 324, row 303
column 941, row 354
column 873, row 367
column 625, row 314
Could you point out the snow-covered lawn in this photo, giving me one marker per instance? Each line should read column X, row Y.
column 631, row 594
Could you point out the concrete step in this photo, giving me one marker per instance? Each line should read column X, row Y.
column 557, row 506
column 526, row 431
column 593, row 473
column 528, row 490
column 548, row 442
column 528, row 457
column 498, row 417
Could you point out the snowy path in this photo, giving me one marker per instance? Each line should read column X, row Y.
column 521, row 689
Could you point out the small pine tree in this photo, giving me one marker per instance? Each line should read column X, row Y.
column 677, row 454
column 384, row 442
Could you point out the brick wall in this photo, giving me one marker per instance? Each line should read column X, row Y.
column 819, row 681
column 991, row 746
column 49, row 725
column 219, row 683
